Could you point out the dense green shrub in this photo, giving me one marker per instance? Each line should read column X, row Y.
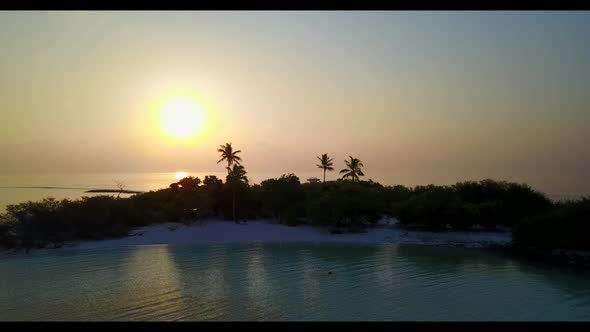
column 38, row 224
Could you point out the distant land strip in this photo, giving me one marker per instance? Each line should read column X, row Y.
column 86, row 190
column 113, row 191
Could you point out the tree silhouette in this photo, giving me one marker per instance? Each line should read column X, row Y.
column 236, row 177
column 211, row 181
column 121, row 186
column 189, row 182
column 353, row 170
column 325, row 164
column 283, row 196
column 229, row 155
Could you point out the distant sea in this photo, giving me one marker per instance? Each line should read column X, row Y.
column 17, row 188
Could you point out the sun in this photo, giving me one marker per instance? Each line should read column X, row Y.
column 180, row 175
column 182, row 118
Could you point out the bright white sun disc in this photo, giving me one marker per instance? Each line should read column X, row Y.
column 180, row 175
column 182, row 118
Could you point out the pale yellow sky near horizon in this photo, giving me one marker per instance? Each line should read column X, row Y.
column 420, row 97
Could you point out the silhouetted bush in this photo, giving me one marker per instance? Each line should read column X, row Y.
column 564, row 227
column 486, row 203
column 189, row 183
column 502, row 202
column 433, row 207
column 344, row 203
column 38, row 224
column 283, row 198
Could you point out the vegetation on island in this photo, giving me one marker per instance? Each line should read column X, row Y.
column 347, row 204
column 565, row 225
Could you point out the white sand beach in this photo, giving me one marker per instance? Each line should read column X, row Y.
column 213, row 231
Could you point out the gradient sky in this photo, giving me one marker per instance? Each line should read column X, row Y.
column 420, row 97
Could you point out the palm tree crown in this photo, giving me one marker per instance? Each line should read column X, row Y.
column 228, row 154
column 353, row 169
column 325, row 164
column 237, row 174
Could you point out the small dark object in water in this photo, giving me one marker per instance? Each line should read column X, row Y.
column 329, row 272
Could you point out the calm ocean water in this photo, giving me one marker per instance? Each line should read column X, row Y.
column 286, row 282
column 20, row 188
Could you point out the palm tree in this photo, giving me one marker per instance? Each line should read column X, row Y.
column 235, row 177
column 325, row 164
column 228, row 154
column 353, row 169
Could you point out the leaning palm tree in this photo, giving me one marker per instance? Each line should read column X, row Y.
column 229, row 155
column 353, row 170
column 325, row 164
column 235, row 177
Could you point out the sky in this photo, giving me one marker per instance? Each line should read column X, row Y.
column 419, row 97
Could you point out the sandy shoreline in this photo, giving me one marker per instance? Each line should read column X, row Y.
column 216, row 231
